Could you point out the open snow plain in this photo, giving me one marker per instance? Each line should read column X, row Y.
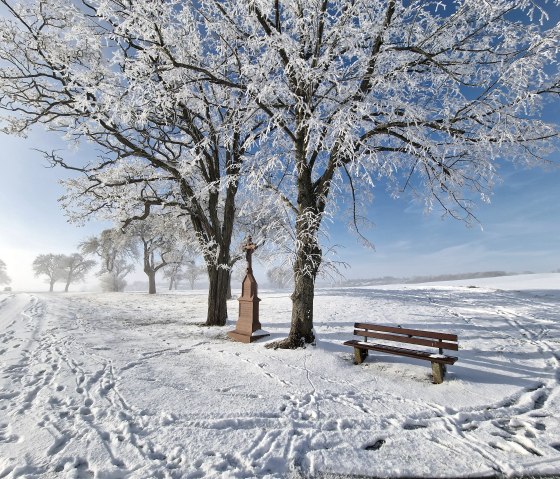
column 132, row 386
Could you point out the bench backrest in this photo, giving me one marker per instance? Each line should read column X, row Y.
column 406, row 335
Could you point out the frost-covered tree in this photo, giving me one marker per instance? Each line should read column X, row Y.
column 421, row 96
column 174, row 273
column 113, row 72
column 4, row 278
column 116, row 251
column 279, row 277
column 161, row 238
column 193, row 272
column 51, row 266
column 184, row 269
column 73, row 268
column 114, row 280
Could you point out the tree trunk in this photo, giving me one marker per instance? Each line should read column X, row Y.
column 67, row 286
column 151, row 282
column 301, row 330
column 308, row 256
column 171, row 284
column 228, row 295
column 51, row 286
column 220, row 235
column 217, row 293
column 149, row 268
column 308, row 259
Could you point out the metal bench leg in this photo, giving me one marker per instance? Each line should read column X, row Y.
column 360, row 355
column 438, row 372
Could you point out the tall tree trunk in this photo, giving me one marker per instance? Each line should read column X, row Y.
column 219, row 233
column 217, row 293
column 171, row 284
column 151, row 281
column 67, row 286
column 51, row 286
column 308, row 256
column 308, row 259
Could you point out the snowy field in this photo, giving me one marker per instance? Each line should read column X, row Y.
column 132, row 386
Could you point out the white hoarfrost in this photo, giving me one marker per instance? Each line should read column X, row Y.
column 131, row 385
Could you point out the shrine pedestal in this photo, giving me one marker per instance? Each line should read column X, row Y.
column 248, row 327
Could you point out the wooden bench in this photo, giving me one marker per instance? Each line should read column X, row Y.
column 432, row 339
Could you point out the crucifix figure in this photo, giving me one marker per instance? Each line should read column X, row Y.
column 249, row 248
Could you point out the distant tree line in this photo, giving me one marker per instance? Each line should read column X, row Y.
column 425, row 279
column 159, row 243
column 279, row 277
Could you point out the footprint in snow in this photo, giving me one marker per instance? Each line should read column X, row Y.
column 5, row 436
column 85, row 411
column 118, row 463
column 375, row 446
column 58, row 445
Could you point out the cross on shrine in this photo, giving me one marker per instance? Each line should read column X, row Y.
column 249, row 248
column 248, row 327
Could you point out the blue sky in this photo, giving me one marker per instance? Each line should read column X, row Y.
column 519, row 230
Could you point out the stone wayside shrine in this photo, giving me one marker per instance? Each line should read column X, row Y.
column 248, row 327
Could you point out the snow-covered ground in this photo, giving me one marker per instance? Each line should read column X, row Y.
column 516, row 283
column 132, row 386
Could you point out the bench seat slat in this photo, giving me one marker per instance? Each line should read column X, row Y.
column 406, row 339
column 412, row 332
column 435, row 358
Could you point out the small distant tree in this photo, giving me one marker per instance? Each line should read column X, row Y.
column 158, row 236
column 74, row 268
column 279, row 277
column 113, row 281
column 115, row 250
column 175, row 272
column 193, row 272
column 4, row 278
column 50, row 265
